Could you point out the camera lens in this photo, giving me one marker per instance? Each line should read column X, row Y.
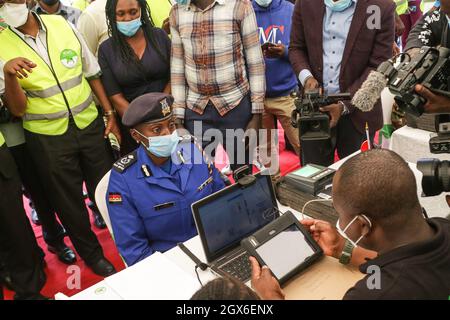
column 316, row 126
column 436, row 176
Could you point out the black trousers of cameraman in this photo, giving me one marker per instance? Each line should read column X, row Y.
column 344, row 138
column 19, row 249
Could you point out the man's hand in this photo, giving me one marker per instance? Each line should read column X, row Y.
column 310, row 84
column 395, row 50
column 326, row 236
column 181, row 130
column 276, row 51
column 435, row 103
column 18, row 67
column 112, row 127
column 335, row 112
column 265, row 285
column 166, row 26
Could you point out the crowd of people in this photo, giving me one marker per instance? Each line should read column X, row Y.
column 169, row 82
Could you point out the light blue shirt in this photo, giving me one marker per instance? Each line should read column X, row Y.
column 336, row 26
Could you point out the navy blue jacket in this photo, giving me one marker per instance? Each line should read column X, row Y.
column 150, row 210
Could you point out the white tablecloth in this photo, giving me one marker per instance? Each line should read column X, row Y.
column 412, row 144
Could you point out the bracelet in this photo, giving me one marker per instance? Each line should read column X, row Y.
column 109, row 113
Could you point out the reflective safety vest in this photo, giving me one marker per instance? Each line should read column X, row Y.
column 56, row 91
column 81, row 4
column 402, row 6
column 2, row 139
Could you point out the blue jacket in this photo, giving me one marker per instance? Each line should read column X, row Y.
column 150, row 210
column 274, row 24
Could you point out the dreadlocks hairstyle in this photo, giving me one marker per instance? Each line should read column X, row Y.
column 120, row 43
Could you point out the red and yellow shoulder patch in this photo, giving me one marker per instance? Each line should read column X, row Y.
column 114, row 197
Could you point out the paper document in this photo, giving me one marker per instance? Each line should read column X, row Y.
column 99, row 291
column 154, row 278
column 324, row 280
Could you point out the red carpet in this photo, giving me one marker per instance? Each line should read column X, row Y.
column 56, row 271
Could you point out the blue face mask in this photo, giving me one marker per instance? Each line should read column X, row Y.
column 129, row 28
column 339, row 5
column 183, row 2
column 162, row 146
column 263, row 3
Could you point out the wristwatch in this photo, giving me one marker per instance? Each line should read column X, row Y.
column 179, row 121
column 345, row 110
column 346, row 254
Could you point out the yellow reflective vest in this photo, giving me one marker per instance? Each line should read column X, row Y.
column 402, row 6
column 81, row 4
column 56, row 91
column 2, row 139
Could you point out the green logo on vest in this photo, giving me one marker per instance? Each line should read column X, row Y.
column 69, row 58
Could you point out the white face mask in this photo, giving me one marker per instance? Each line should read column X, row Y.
column 15, row 15
column 345, row 236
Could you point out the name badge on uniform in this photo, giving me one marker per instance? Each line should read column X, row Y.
column 164, row 206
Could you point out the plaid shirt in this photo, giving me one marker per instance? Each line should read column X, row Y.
column 212, row 51
column 69, row 13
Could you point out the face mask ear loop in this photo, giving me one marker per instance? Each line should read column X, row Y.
column 351, row 222
column 367, row 219
column 148, row 139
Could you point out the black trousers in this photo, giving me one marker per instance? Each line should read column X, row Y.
column 345, row 139
column 348, row 139
column 18, row 247
column 238, row 118
column 53, row 232
column 63, row 163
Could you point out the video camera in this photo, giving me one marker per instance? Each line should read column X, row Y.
column 314, row 126
column 436, row 176
column 441, row 143
column 430, row 68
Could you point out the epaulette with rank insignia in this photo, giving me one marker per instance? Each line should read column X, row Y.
column 197, row 144
column 125, row 162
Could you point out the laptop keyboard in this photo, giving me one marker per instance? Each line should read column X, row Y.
column 239, row 267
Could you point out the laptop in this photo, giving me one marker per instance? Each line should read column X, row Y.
column 226, row 217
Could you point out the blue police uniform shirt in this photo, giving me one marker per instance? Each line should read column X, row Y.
column 150, row 209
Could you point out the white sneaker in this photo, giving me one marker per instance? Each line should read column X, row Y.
column 227, row 170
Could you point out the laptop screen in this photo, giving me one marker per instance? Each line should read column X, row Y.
column 228, row 216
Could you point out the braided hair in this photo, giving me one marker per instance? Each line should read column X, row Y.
column 120, row 43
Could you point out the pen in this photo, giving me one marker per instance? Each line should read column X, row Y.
column 368, row 136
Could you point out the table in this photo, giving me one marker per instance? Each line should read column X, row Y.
column 172, row 275
column 412, row 144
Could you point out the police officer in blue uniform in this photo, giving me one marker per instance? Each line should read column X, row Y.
column 151, row 190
